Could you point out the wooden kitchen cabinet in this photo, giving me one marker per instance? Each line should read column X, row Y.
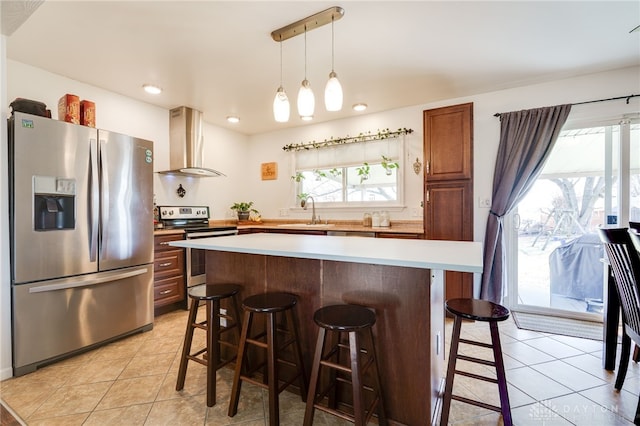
column 168, row 273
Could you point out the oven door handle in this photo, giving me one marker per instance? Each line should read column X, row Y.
column 205, row 234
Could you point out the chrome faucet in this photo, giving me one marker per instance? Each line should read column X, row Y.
column 303, row 204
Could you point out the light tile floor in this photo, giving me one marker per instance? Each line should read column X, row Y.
column 553, row 380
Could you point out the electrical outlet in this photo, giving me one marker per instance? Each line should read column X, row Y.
column 284, row 212
column 223, row 321
column 484, row 203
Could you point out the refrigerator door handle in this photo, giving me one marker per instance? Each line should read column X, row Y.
column 94, row 200
column 104, row 277
column 104, row 197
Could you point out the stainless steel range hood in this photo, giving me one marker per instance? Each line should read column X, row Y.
column 186, row 144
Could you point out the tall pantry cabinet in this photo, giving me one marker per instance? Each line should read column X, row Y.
column 448, row 184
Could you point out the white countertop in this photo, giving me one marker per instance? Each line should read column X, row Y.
column 461, row 256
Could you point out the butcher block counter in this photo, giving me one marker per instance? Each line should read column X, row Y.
column 401, row 279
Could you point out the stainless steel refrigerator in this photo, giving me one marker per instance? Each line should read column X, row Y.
column 81, row 221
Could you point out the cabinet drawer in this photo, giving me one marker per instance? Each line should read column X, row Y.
column 168, row 291
column 168, row 263
column 161, row 242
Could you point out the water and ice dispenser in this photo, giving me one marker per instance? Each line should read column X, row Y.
column 53, row 203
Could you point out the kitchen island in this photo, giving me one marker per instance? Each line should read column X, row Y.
column 402, row 280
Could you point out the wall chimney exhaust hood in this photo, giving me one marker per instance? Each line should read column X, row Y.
column 186, row 144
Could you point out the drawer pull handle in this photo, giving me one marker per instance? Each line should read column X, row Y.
column 165, row 264
column 162, row 293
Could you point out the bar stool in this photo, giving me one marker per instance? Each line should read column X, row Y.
column 478, row 310
column 356, row 321
column 269, row 304
column 209, row 356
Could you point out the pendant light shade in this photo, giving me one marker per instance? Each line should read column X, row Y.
column 333, row 93
column 281, row 108
column 333, row 89
column 306, row 100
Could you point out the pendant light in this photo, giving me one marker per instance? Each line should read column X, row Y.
column 306, row 100
column 281, row 107
column 333, row 89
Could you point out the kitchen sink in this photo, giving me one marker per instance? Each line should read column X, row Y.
column 305, row 225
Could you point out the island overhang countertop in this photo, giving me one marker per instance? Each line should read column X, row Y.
column 461, row 256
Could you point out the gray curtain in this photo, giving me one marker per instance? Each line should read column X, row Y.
column 526, row 140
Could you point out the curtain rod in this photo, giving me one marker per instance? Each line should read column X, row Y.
column 497, row 114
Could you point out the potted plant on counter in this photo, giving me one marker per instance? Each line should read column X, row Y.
column 244, row 209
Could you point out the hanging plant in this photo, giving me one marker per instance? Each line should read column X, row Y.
column 388, row 164
column 298, row 177
column 363, row 172
column 320, row 174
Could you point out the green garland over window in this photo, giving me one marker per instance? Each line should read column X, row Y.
column 362, row 137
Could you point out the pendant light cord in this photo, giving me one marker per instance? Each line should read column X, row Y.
column 305, row 52
column 280, row 60
column 332, row 45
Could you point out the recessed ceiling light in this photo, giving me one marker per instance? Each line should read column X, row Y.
column 233, row 119
column 150, row 88
column 359, row 107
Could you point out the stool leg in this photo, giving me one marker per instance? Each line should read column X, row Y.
column 293, row 323
column 356, row 379
column 272, row 370
column 502, row 379
column 334, row 342
column 453, row 354
column 315, row 375
column 242, row 348
column 213, row 335
column 186, row 348
column 382, row 414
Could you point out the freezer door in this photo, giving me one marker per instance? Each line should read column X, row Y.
column 51, row 200
column 126, row 218
column 56, row 318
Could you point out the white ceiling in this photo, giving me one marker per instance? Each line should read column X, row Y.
column 218, row 57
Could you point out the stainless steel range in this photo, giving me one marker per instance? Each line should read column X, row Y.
column 195, row 222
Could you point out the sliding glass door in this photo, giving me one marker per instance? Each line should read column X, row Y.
column 591, row 179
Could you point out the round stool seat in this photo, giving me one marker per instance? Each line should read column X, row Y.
column 344, row 317
column 476, row 309
column 269, row 302
column 213, row 291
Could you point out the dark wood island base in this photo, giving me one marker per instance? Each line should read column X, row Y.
column 408, row 303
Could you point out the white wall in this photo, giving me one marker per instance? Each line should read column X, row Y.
column 240, row 157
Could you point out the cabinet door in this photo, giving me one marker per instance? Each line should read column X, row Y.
column 449, row 216
column 448, row 143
